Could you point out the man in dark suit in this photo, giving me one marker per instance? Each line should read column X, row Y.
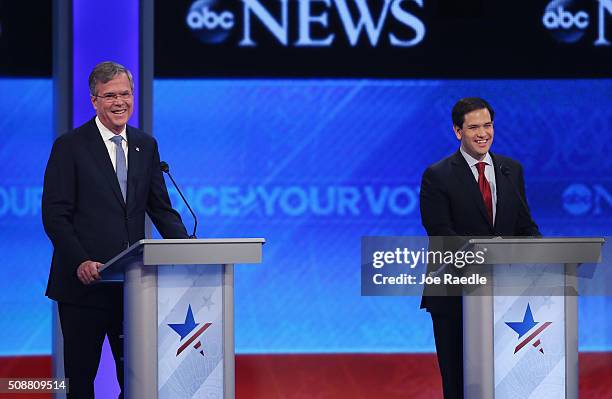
column 101, row 179
column 470, row 193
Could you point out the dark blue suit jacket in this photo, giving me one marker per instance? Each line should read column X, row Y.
column 452, row 205
column 84, row 213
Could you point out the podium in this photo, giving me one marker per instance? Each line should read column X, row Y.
column 179, row 315
column 525, row 344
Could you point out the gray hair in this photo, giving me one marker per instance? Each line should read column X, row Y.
column 106, row 71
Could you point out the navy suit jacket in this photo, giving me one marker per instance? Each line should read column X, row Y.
column 84, row 213
column 452, row 205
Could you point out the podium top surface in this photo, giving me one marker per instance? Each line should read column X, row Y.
column 198, row 241
column 189, row 251
column 539, row 240
column 540, row 250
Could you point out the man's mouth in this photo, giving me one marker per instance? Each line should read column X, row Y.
column 119, row 111
column 482, row 141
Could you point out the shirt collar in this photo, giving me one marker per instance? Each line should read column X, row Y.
column 473, row 161
column 107, row 134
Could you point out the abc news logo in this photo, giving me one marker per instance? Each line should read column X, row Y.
column 560, row 18
column 205, row 18
column 212, row 21
column 587, row 199
column 567, row 20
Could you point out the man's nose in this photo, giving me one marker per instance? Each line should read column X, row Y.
column 482, row 131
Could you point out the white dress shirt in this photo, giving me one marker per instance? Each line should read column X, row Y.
column 489, row 174
column 107, row 135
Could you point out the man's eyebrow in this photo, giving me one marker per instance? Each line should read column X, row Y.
column 476, row 125
column 113, row 93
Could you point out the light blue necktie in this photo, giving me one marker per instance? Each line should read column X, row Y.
column 120, row 165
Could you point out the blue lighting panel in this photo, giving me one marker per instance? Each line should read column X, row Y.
column 27, row 135
column 313, row 165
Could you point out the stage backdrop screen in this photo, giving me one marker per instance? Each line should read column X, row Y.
column 27, row 136
column 314, row 165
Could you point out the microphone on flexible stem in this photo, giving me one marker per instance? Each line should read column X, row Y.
column 166, row 169
column 506, row 172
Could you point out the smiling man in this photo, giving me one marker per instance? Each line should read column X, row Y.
column 470, row 193
column 114, row 102
column 100, row 180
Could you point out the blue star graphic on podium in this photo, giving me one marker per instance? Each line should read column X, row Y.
column 522, row 327
column 188, row 326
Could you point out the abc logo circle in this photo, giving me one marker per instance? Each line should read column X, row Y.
column 577, row 199
column 565, row 20
column 209, row 23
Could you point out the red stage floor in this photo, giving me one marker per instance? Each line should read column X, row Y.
column 337, row 376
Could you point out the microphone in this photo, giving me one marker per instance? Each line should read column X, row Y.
column 166, row 169
column 505, row 170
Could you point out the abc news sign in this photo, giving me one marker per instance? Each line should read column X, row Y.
column 212, row 21
column 381, row 38
column 569, row 20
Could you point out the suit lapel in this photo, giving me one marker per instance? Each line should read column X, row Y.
column 99, row 154
column 135, row 163
column 502, row 188
column 464, row 174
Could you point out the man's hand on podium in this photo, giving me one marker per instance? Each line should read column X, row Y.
column 87, row 271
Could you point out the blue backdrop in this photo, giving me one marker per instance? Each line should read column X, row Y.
column 313, row 165
column 26, row 128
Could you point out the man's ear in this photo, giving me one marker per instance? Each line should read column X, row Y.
column 457, row 131
column 93, row 102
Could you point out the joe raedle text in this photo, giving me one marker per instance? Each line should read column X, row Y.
column 424, row 279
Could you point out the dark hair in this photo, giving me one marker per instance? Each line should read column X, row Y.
column 106, row 71
column 467, row 105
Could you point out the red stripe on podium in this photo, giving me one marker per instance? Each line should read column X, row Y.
column 192, row 338
column 532, row 336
